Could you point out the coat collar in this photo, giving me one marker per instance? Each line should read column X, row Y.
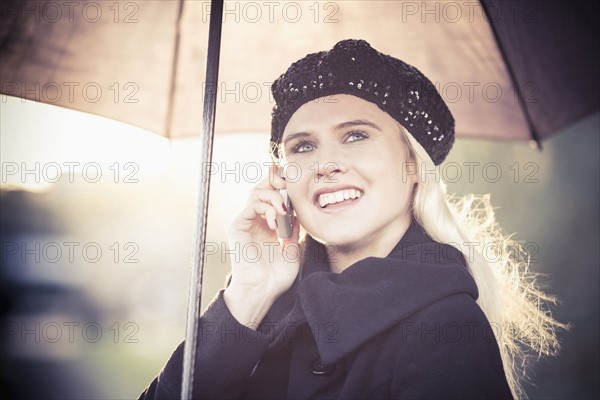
column 371, row 295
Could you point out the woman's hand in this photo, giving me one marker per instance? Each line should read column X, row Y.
column 263, row 266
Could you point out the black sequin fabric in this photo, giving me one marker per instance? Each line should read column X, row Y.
column 353, row 67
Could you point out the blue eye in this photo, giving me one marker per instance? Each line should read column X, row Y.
column 356, row 136
column 302, row 147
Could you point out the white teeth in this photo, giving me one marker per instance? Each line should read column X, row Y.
column 339, row 196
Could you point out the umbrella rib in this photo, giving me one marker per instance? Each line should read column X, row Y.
column 532, row 130
column 199, row 254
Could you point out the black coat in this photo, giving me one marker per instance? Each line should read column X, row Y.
column 405, row 326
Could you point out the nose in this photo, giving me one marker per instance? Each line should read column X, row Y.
column 328, row 164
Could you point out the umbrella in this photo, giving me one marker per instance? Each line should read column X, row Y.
column 508, row 69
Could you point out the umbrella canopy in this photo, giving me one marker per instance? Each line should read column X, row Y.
column 507, row 69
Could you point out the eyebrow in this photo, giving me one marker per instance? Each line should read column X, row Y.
column 358, row 122
column 342, row 125
column 295, row 135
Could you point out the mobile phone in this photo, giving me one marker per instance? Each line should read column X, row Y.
column 284, row 222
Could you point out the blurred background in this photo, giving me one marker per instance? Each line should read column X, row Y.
column 96, row 216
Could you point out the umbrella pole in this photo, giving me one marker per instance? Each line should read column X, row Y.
column 208, row 117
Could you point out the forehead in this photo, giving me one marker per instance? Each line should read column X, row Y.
column 327, row 112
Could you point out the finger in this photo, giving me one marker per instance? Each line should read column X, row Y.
column 271, row 197
column 268, row 212
column 248, row 216
column 273, row 179
column 276, row 175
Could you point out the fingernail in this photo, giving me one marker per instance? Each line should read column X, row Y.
column 284, row 207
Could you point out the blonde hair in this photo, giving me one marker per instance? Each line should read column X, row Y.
column 508, row 293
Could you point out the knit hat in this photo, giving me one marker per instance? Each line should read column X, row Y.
column 353, row 67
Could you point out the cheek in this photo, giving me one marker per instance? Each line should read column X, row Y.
column 296, row 169
column 293, row 194
column 297, row 187
column 401, row 164
column 398, row 173
column 377, row 164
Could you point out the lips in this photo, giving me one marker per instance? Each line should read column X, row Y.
column 328, row 197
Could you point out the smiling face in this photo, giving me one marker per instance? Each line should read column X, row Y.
column 353, row 189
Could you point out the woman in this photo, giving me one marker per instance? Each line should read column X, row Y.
column 388, row 294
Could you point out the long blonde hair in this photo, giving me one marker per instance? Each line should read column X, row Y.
column 508, row 294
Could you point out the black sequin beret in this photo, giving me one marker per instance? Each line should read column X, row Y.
column 354, row 67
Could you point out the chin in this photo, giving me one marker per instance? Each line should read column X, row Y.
column 340, row 238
